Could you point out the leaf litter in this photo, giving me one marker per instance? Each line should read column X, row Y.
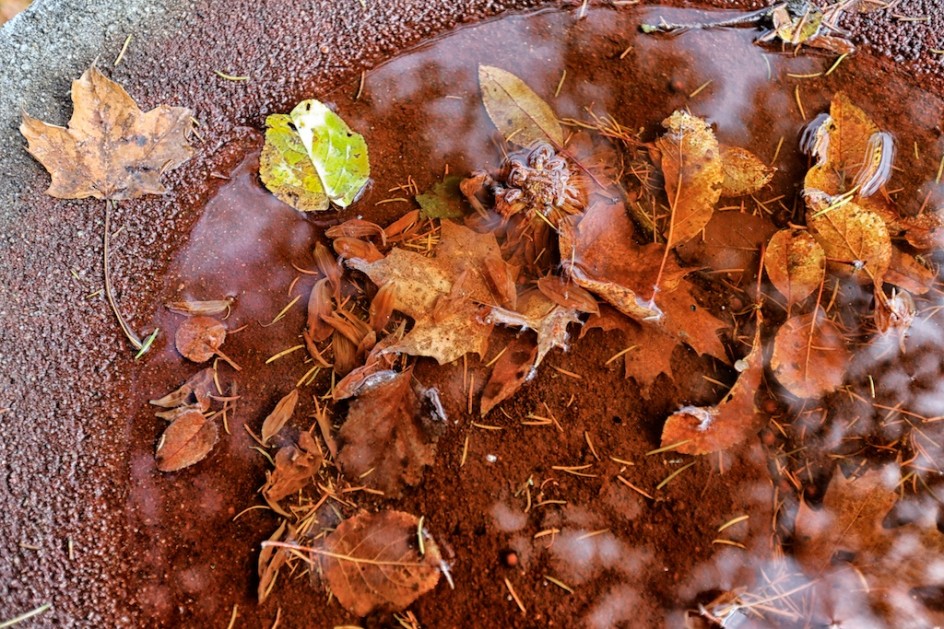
column 551, row 241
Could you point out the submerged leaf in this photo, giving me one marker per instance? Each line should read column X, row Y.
column 855, row 240
column 186, row 441
column 195, row 391
column 513, row 368
column 282, row 412
column 522, row 116
column 744, row 173
column 338, row 154
column 691, row 162
column 702, row 430
column 199, row 338
column 295, row 466
column 536, row 312
column 374, row 562
column 795, row 264
column 200, row 308
column 810, row 356
column 389, row 435
column 111, row 149
column 286, row 169
column 443, row 200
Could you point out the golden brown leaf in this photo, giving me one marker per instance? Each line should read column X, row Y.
column 381, row 307
column 706, row 429
column 855, row 240
column 810, row 356
column 521, row 115
column 905, row 271
column 378, row 360
column 319, row 307
column 373, row 562
column 111, row 149
column 199, row 338
column 744, row 173
column 280, row 415
column 389, row 435
column 295, row 466
column 689, row 322
column 347, row 248
column 692, row 166
column 509, row 373
column 443, row 294
column 271, row 560
column 186, row 441
column 795, row 264
column 731, row 242
column 356, row 228
column 329, row 267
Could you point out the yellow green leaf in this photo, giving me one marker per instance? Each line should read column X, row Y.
column 287, row 171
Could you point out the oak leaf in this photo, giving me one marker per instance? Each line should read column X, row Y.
column 186, row 441
column 522, row 116
column 706, row 429
column 376, row 562
column 690, row 158
column 390, row 433
column 111, row 149
column 892, row 564
column 446, row 295
column 809, row 357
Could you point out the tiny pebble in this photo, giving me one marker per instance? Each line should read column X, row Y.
column 491, row 458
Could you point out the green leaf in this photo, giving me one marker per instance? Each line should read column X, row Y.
column 286, row 169
column 443, row 200
column 339, row 154
column 521, row 115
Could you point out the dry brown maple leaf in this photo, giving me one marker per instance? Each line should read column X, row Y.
column 111, row 149
column 186, row 441
column 390, row 433
column 443, row 294
column 810, row 356
column 891, row 562
column 702, row 430
column 691, row 162
column 377, row 562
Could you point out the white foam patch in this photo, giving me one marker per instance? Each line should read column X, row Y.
column 579, row 555
column 507, row 519
column 616, row 608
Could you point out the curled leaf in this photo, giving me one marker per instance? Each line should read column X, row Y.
column 282, row 412
column 795, row 263
column 338, row 153
column 186, row 441
column 810, row 356
column 319, row 307
column 195, row 391
column 536, row 312
column 522, row 116
column 373, row 562
column 200, row 308
column 286, row 169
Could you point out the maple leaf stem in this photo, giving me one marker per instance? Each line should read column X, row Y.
column 133, row 338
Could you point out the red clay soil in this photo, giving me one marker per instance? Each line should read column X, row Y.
column 90, row 524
